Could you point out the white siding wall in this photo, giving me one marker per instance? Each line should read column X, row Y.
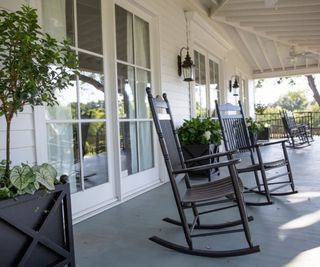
column 22, row 129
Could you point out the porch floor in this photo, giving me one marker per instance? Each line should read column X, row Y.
column 288, row 231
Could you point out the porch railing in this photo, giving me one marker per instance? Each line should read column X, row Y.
column 311, row 119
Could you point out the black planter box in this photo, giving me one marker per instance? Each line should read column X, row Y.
column 36, row 230
column 264, row 134
column 198, row 150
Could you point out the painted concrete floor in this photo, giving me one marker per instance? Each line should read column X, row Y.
column 288, row 231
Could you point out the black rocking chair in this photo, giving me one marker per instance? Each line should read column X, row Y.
column 236, row 136
column 299, row 135
column 196, row 197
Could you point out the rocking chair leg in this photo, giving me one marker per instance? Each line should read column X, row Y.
column 288, row 167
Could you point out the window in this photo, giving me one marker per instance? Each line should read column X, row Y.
column 76, row 129
column 206, row 89
column 133, row 76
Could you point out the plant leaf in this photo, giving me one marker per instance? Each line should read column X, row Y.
column 21, row 177
column 45, row 178
column 5, row 193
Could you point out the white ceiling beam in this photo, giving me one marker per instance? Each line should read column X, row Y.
column 278, row 54
column 215, row 8
column 246, row 44
column 260, row 4
column 264, row 52
column 262, row 34
column 276, row 28
column 270, row 11
column 300, row 70
column 290, row 38
column 308, row 42
column 314, row 47
column 275, row 23
column 284, row 17
column 305, row 40
column 292, row 34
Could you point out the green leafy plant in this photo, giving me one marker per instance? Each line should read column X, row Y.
column 33, row 65
column 26, row 180
column 254, row 126
column 199, row 131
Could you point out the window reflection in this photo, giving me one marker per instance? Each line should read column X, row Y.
column 94, row 154
column 67, row 104
column 63, row 151
column 126, row 91
column 142, row 47
column 124, row 34
column 129, row 148
column 89, row 25
column 146, row 145
column 143, row 80
column 91, row 83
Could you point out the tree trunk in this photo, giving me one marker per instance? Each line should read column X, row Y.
column 314, row 89
column 7, row 170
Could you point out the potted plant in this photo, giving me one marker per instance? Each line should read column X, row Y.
column 257, row 130
column 199, row 137
column 36, row 225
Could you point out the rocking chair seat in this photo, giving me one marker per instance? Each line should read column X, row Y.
column 209, row 191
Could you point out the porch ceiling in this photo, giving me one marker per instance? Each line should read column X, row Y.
column 276, row 37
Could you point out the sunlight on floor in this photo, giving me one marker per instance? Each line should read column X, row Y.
column 303, row 221
column 308, row 258
column 303, row 196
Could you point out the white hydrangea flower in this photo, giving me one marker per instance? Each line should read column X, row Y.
column 207, row 135
column 266, row 125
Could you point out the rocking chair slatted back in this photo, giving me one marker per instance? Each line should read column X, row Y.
column 169, row 141
column 234, row 129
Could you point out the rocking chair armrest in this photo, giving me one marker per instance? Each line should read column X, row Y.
column 272, row 142
column 210, row 156
column 208, row 166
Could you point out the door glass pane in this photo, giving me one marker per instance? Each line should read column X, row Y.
column 89, row 25
column 91, row 83
column 146, row 146
column 94, row 154
column 143, row 81
column 67, row 104
column 124, row 35
column 63, row 151
column 202, row 69
column 214, row 85
column 200, row 100
column 142, row 45
column 57, row 19
column 129, row 148
column 126, row 92
column 200, row 93
column 196, row 62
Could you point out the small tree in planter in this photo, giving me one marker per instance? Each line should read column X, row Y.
column 32, row 66
column 199, row 137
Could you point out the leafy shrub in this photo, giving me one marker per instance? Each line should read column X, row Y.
column 199, row 131
column 26, row 180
